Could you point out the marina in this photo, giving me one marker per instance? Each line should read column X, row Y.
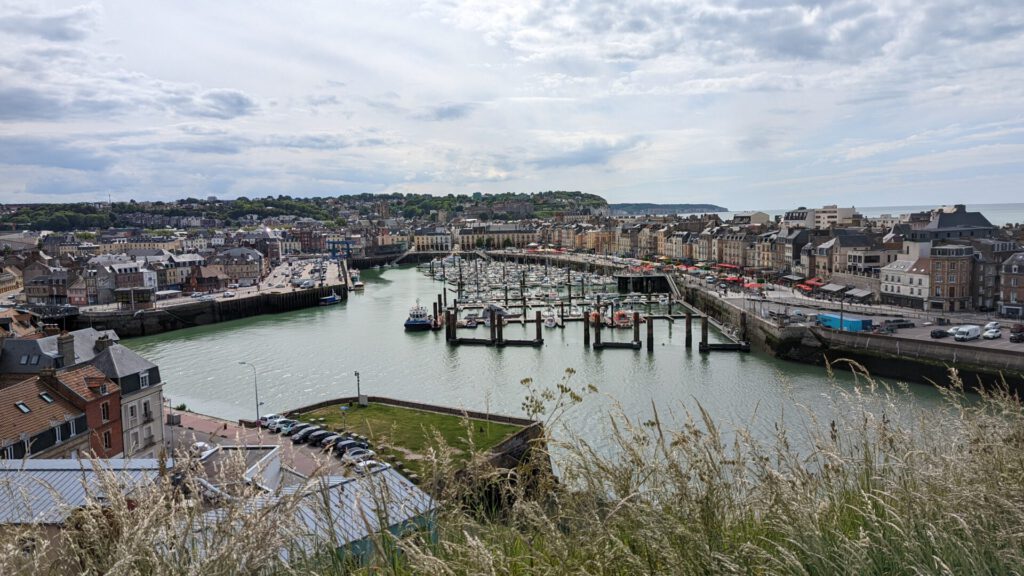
column 309, row 355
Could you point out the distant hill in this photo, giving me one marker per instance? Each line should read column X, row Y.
column 638, row 209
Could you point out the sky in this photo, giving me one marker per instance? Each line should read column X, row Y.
column 749, row 104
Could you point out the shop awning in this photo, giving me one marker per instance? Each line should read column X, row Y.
column 833, row 288
column 858, row 293
column 792, row 278
column 733, row 279
column 804, row 287
column 814, row 282
column 753, row 285
column 731, row 266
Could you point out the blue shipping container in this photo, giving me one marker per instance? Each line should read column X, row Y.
column 846, row 323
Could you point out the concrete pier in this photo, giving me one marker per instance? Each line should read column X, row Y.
column 689, row 329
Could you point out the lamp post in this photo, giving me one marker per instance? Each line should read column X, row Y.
column 359, row 393
column 255, row 386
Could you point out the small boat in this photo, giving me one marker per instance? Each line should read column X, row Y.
column 663, row 300
column 622, row 319
column 358, row 285
column 550, row 318
column 418, row 318
column 332, row 299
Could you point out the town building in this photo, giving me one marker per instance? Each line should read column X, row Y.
column 1011, row 293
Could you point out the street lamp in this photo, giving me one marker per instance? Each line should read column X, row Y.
column 359, row 393
column 255, row 386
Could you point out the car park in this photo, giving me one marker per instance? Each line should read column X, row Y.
column 268, row 419
column 343, row 446
column 940, row 333
column 992, row 334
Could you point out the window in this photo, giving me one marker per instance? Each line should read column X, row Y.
column 106, row 439
column 952, row 278
column 23, row 360
column 46, row 397
column 57, row 434
column 35, row 359
column 938, row 291
column 146, row 412
column 7, row 452
column 133, row 440
column 144, row 379
column 1013, row 282
column 23, row 407
column 105, row 411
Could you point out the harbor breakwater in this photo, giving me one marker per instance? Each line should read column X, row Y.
column 129, row 323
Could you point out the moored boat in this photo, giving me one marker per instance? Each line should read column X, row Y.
column 329, row 300
column 418, row 318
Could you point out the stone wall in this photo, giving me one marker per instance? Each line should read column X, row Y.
column 158, row 320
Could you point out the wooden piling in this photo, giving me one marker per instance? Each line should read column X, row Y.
column 597, row 329
column 650, row 335
column 586, row 329
column 494, row 333
column 689, row 329
column 704, row 332
column 435, row 317
column 539, row 324
column 636, row 327
column 500, row 323
column 743, row 326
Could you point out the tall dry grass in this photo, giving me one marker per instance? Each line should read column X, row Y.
column 878, row 487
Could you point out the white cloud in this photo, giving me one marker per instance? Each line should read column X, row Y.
column 646, row 100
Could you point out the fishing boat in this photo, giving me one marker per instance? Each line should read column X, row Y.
column 329, row 300
column 622, row 319
column 663, row 300
column 418, row 318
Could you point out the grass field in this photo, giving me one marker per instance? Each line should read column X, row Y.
column 408, row 434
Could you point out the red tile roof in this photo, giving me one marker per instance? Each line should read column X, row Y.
column 41, row 413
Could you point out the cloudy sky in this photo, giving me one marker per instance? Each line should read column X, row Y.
column 745, row 103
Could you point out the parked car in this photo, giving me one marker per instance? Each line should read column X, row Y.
column 300, row 437
column 939, row 333
column 357, row 455
column 314, row 438
column 952, row 331
column 229, row 294
column 342, row 446
column 370, row 466
column 233, row 286
column 279, row 424
column 1017, row 329
column 327, row 441
column 992, row 334
column 291, row 427
column 991, row 326
column 297, row 428
column 967, row 333
column 201, row 450
column 1017, row 337
column 268, row 419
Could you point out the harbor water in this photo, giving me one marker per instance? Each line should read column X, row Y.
column 311, row 355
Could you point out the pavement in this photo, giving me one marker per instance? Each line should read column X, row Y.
column 201, row 428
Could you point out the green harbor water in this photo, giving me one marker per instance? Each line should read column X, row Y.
column 310, row 355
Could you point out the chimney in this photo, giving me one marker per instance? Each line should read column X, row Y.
column 66, row 348
column 48, row 375
column 51, row 329
column 102, row 343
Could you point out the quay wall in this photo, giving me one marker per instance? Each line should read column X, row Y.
column 887, row 356
column 129, row 323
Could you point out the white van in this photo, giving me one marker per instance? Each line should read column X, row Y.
column 966, row 333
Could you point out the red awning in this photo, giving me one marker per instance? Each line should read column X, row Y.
column 804, row 287
column 814, row 282
column 733, row 279
column 752, row 285
column 733, row 266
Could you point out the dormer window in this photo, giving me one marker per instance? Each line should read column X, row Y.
column 143, row 379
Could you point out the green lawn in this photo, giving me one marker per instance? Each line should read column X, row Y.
column 410, row 431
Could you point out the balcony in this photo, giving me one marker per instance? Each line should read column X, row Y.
column 147, row 417
column 148, row 442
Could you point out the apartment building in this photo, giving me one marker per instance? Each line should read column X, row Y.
column 1011, row 293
